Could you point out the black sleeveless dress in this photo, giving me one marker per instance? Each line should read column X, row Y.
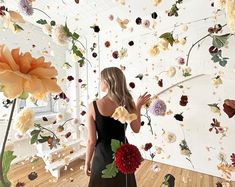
column 107, row 128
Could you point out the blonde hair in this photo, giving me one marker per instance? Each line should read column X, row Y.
column 118, row 92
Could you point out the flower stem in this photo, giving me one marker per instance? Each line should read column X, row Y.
column 4, row 143
column 42, row 12
column 197, row 43
column 67, row 121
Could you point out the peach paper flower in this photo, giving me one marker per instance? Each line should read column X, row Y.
column 20, row 73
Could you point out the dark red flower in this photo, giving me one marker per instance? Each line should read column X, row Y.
column 20, row 184
column 115, row 54
column 160, row 83
column 184, row 100
column 132, row 85
column 233, row 159
column 70, row 78
column 107, row 44
column 147, row 146
column 127, row 158
column 68, row 134
column 229, row 110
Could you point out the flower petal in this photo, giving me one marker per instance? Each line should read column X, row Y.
column 41, row 72
column 16, row 17
column 8, row 57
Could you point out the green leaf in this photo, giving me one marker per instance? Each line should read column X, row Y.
column 110, row 171
column 75, row 36
column 42, row 21
column 35, row 132
column 81, row 63
column 115, row 144
column 8, row 157
column 169, row 37
column 17, row 27
column 34, row 139
column 223, row 63
column 220, row 41
column 67, row 31
column 52, row 23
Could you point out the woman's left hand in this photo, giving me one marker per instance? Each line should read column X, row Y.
column 143, row 99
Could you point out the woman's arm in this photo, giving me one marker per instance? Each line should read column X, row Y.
column 91, row 141
column 136, row 124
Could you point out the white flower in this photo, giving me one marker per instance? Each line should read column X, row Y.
column 184, row 27
column 182, row 41
column 219, row 4
column 123, row 53
column 59, row 117
column 24, row 120
column 171, row 72
column 47, row 29
column 59, row 35
column 187, row 71
column 155, row 168
column 185, row 152
column 230, row 14
column 169, row 137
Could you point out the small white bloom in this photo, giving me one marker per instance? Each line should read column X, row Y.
column 163, row 44
column 47, row 29
column 59, row 35
column 169, row 137
column 171, row 72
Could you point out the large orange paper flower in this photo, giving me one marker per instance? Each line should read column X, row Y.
column 20, row 72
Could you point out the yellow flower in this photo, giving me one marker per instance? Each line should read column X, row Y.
column 230, row 13
column 157, row 2
column 154, row 50
column 24, row 120
column 163, row 44
column 21, row 73
column 122, row 115
column 217, row 81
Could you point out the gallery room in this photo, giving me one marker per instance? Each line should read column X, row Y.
column 117, row 93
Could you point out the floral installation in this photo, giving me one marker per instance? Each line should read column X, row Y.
column 127, row 159
column 11, row 19
column 62, row 35
column 21, row 75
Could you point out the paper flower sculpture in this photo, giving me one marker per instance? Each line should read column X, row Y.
column 122, row 115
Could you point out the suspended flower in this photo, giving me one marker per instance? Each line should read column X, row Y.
column 123, row 115
column 122, row 23
column 157, row 2
column 233, row 159
column 123, row 53
column 187, row 71
column 169, row 137
column 26, row 7
column 182, row 41
column 146, row 23
column 59, row 35
column 171, row 72
column 158, row 107
column 147, row 146
column 21, row 73
column 154, row 50
column 219, row 4
column 163, row 44
column 11, row 20
column 127, row 158
column 216, row 81
column 47, row 29
column 24, row 120
column 214, row 108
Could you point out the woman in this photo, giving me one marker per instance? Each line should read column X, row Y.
column 102, row 128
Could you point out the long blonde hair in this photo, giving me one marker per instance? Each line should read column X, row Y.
column 118, row 92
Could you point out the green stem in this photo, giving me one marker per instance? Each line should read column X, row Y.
column 4, row 143
column 54, row 135
column 42, row 12
column 67, row 121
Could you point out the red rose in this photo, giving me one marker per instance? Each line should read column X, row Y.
column 127, row 158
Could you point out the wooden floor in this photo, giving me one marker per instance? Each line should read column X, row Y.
column 76, row 178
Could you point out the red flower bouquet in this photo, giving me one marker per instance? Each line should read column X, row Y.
column 127, row 159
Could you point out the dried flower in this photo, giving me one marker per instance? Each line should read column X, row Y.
column 147, row 146
column 214, row 108
column 127, row 158
column 187, row 71
column 216, row 81
column 169, row 137
column 59, row 35
column 163, row 44
column 233, row 159
column 24, row 120
column 47, row 29
column 158, row 107
column 26, row 7
column 123, row 53
column 154, row 50
column 180, row 61
column 146, row 23
column 157, row 2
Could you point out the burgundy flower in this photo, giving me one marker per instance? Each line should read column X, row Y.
column 127, row 158
column 184, row 100
column 132, row 85
column 229, row 110
column 147, row 146
column 233, row 159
